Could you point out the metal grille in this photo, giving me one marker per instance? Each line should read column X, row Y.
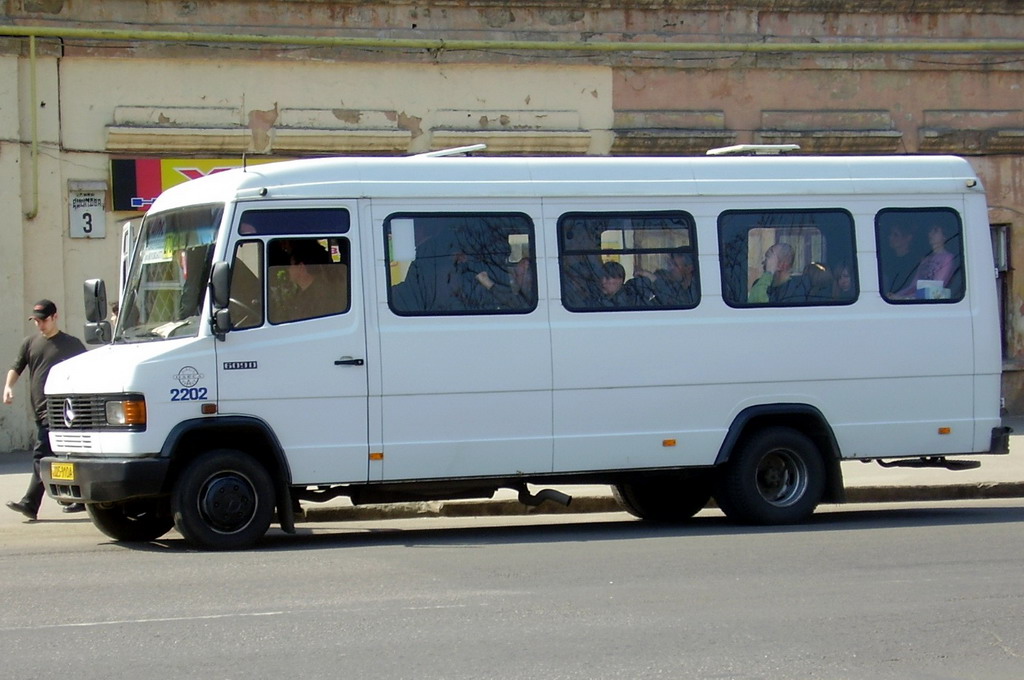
column 67, row 440
column 85, row 412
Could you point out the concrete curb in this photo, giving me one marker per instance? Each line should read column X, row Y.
column 590, row 504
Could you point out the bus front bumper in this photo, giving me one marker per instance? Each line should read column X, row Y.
column 103, row 480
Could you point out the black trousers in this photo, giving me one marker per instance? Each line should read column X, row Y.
column 34, row 495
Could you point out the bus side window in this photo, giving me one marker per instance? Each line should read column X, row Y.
column 782, row 258
column 460, row 263
column 307, row 278
column 920, row 255
column 628, row 261
column 246, row 303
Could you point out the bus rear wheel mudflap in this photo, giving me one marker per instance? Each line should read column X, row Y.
column 223, row 500
column 776, row 476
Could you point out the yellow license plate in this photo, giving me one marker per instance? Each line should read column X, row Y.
column 63, row 471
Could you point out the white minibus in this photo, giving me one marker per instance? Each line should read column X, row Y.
column 397, row 329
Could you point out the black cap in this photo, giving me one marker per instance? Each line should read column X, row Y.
column 43, row 309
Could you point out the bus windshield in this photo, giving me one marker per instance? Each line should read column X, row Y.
column 166, row 284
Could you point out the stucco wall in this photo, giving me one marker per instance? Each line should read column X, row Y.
column 12, row 418
column 276, row 102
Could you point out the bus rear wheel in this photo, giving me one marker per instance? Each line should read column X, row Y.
column 223, row 500
column 665, row 499
column 776, row 477
column 134, row 521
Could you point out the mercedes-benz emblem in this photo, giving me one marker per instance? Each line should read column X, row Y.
column 69, row 413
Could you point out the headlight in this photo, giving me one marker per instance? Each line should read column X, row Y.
column 126, row 412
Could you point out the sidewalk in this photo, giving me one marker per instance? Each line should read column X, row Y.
column 998, row 477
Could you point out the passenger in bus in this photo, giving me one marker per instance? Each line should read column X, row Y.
column 524, row 280
column 674, row 286
column 581, row 280
column 818, row 283
column 900, row 260
column 614, row 291
column 512, row 291
column 776, row 284
column 936, row 268
column 581, row 273
column 432, row 281
column 484, row 270
column 843, row 289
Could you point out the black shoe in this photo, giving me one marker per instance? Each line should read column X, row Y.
column 23, row 509
column 73, row 507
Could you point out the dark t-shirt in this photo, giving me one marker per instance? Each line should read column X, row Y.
column 40, row 354
column 898, row 272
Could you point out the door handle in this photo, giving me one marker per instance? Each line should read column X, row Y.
column 348, row 361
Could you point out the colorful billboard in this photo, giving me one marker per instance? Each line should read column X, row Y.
column 136, row 182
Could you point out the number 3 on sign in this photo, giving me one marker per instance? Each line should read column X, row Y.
column 88, row 220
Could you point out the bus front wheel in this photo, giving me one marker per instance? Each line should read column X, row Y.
column 131, row 521
column 776, row 477
column 223, row 500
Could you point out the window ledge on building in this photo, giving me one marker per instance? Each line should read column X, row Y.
column 835, row 141
column 663, row 132
column 669, row 142
column 525, row 142
column 825, row 131
column 946, row 140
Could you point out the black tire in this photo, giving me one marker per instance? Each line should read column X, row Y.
column 223, row 500
column 776, row 477
column 668, row 499
column 131, row 521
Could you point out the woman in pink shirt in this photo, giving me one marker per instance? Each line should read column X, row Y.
column 938, row 265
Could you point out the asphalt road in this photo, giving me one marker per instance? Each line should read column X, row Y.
column 861, row 592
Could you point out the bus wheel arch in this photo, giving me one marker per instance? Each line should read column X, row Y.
column 250, row 436
column 804, row 444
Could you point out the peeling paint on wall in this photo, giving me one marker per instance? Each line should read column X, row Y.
column 44, row 6
column 561, row 17
column 497, row 17
column 260, row 124
column 406, row 122
column 350, row 116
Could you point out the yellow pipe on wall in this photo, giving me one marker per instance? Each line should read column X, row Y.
column 34, row 117
column 971, row 46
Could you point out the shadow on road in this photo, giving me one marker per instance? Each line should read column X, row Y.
column 618, row 527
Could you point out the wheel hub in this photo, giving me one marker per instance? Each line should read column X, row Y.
column 227, row 502
column 781, row 478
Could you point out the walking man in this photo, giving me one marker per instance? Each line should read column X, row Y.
column 40, row 353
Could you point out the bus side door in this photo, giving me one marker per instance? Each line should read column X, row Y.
column 295, row 357
column 464, row 341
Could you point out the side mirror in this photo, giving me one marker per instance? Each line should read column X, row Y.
column 220, row 285
column 220, row 296
column 221, row 322
column 98, row 333
column 95, row 300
